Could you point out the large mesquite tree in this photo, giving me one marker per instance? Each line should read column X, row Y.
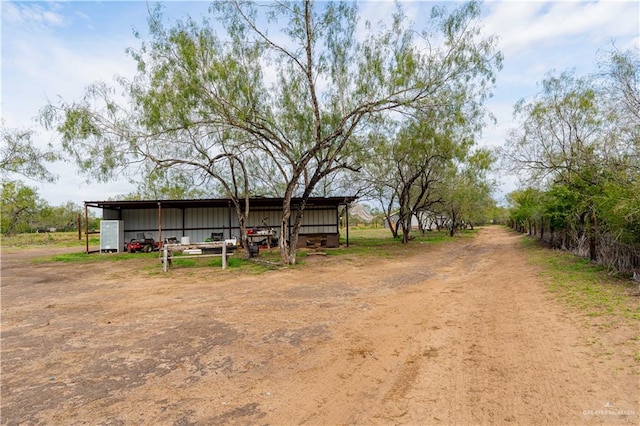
column 289, row 87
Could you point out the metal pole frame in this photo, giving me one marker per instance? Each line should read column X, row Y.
column 86, row 227
column 347, row 221
column 160, row 222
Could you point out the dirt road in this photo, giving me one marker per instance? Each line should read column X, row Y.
column 463, row 333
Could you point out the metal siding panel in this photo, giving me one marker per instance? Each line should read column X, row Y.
column 207, row 220
column 319, row 220
column 196, row 219
column 189, row 217
column 234, row 218
column 128, row 217
column 110, row 214
column 274, row 217
column 220, row 218
column 143, row 220
column 148, row 219
column 254, row 218
column 171, row 218
column 196, row 236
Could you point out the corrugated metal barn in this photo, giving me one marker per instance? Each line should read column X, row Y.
column 200, row 219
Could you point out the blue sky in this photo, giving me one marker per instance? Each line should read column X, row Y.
column 56, row 49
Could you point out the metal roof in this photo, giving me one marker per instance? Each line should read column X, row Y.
column 214, row 202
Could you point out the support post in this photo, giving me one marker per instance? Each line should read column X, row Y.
column 160, row 222
column 224, row 255
column 347, row 222
column 165, row 258
column 86, row 228
column 229, row 212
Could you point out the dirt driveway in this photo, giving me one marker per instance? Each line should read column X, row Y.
column 462, row 333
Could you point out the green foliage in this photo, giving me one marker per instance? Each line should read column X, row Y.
column 560, row 204
column 62, row 218
column 19, row 155
column 466, row 190
column 378, row 242
column 578, row 144
column 82, row 257
column 23, row 211
column 185, row 263
column 364, row 243
column 166, row 184
column 278, row 98
column 525, row 206
column 232, row 262
column 18, row 207
column 412, row 161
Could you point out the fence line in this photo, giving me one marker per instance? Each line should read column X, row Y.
column 616, row 256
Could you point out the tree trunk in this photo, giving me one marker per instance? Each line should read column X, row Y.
column 593, row 255
column 283, row 244
column 393, row 228
column 420, row 226
column 405, row 232
column 244, row 240
column 293, row 239
column 452, row 229
column 405, row 218
column 242, row 215
column 289, row 249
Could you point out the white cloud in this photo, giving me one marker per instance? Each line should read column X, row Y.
column 70, row 186
column 45, row 62
column 537, row 38
column 48, row 53
column 523, row 25
column 51, row 49
column 32, row 15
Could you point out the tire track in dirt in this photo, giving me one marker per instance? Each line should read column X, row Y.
column 510, row 353
column 461, row 333
column 480, row 343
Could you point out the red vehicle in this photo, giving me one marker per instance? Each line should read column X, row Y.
column 143, row 243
